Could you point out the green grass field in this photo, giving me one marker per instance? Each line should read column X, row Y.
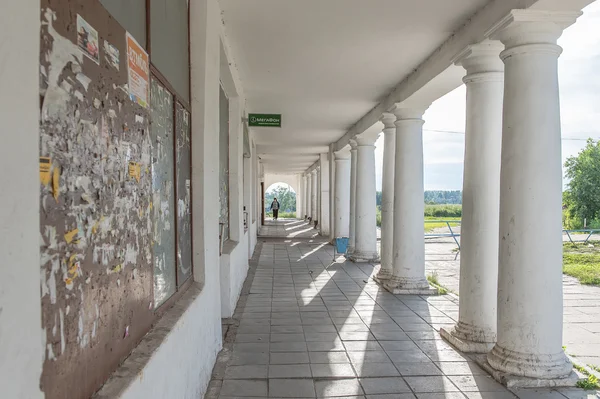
column 582, row 261
column 432, row 223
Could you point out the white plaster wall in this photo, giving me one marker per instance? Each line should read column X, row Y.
column 21, row 348
column 234, row 269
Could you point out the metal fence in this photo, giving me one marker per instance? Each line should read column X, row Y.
column 452, row 233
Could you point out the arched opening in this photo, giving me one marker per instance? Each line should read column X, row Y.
column 286, row 196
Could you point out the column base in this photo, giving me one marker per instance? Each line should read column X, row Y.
column 404, row 286
column 517, row 381
column 469, row 339
column 364, row 257
column 382, row 276
column 548, row 367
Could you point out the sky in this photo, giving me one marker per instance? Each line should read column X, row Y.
column 579, row 80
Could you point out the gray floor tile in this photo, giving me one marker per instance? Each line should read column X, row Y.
column 460, row 368
column 325, row 346
column 287, row 337
column 360, row 357
column 490, row 395
column 476, row 383
column 328, row 357
column 246, row 372
column 376, row 370
column 338, row 387
column 332, row 370
column 386, row 385
column 246, row 358
column 290, row 371
column 430, row 384
column 244, row 388
column 252, row 338
column 291, row 388
column 320, row 337
column 407, row 356
column 362, row 346
column 447, row 395
column 289, row 357
column 288, row 347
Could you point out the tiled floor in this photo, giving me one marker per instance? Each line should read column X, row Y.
column 289, row 228
column 306, row 328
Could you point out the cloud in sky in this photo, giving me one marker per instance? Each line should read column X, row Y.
column 579, row 80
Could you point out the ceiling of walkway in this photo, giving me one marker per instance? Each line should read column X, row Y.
column 323, row 64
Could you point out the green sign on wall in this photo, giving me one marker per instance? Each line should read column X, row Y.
column 264, row 120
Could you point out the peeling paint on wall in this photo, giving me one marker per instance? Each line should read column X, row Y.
column 161, row 107
column 183, row 181
column 95, row 219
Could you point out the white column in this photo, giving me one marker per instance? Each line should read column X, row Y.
column 313, row 196
column 353, row 159
column 342, row 194
column 387, row 198
column 331, row 158
column 304, row 195
column 299, row 197
column 530, row 301
column 409, row 205
column 476, row 327
column 309, row 195
column 319, row 197
column 324, row 181
column 365, row 243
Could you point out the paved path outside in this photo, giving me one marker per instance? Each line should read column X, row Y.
column 581, row 327
column 307, row 328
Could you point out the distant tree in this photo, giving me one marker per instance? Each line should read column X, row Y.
column 434, row 197
column 285, row 196
column 582, row 197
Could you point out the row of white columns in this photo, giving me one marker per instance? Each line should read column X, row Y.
column 511, row 244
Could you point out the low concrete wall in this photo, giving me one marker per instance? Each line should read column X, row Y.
column 176, row 358
column 234, row 269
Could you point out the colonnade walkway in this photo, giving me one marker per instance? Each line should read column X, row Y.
column 309, row 328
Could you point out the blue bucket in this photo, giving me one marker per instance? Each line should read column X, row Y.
column 341, row 245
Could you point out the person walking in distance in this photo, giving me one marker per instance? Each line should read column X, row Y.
column 275, row 208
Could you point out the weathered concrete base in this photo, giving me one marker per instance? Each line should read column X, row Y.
column 363, row 258
column 411, row 291
column 379, row 280
column 517, row 381
column 464, row 345
column 381, row 276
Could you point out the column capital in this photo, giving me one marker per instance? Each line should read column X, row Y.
column 342, row 154
column 388, row 120
column 532, row 27
column 313, row 172
column 406, row 113
column 482, row 61
column 353, row 144
column 367, row 139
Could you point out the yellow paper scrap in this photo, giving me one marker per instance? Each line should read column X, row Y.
column 135, row 171
column 70, row 235
column 45, row 165
column 56, row 182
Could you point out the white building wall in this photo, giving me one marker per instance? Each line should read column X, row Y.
column 21, row 345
